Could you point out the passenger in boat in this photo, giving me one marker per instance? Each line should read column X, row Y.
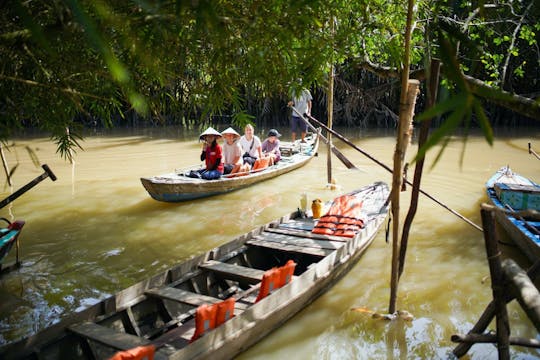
column 212, row 155
column 270, row 147
column 302, row 101
column 232, row 151
column 251, row 146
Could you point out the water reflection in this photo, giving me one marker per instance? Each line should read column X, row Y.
column 97, row 231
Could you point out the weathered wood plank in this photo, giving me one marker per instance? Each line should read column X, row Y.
column 298, row 241
column 183, row 296
column 290, row 248
column 234, row 272
column 307, row 234
column 107, row 336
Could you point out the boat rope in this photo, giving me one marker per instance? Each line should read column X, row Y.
column 386, row 167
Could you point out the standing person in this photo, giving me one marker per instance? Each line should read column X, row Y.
column 211, row 154
column 302, row 101
column 232, row 151
column 251, row 146
column 270, row 146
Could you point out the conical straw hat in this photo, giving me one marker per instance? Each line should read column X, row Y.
column 230, row 130
column 210, row 131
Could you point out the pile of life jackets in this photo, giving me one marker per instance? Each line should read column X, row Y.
column 275, row 278
column 344, row 218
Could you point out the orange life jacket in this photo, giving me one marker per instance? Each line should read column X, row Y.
column 138, row 353
column 210, row 316
column 275, row 278
column 260, row 164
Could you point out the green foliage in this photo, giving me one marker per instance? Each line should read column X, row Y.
column 100, row 60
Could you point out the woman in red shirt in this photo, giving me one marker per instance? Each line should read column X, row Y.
column 212, row 155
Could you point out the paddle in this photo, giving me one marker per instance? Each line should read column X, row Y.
column 345, row 140
column 335, row 150
column 48, row 173
column 532, row 152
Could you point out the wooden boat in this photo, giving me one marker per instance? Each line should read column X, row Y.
column 175, row 187
column 164, row 310
column 9, row 236
column 510, row 191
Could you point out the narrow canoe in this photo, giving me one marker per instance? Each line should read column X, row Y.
column 508, row 190
column 9, row 237
column 176, row 187
column 164, row 310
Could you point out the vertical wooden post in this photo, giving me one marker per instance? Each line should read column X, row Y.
column 4, row 163
column 403, row 140
column 330, row 110
column 433, row 84
column 497, row 286
column 403, row 126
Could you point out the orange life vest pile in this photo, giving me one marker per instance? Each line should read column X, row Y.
column 138, row 353
column 275, row 278
column 210, row 316
column 344, row 218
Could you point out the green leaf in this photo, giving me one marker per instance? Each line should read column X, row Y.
column 483, row 121
column 443, row 107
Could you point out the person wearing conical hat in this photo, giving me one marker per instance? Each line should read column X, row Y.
column 212, row 155
column 232, row 151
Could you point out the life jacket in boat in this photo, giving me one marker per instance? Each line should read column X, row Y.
column 138, row 353
column 275, row 278
column 260, row 164
column 344, row 218
column 210, row 316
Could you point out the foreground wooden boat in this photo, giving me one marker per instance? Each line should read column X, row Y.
column 176, row 187
column 9, row 236
column 163, row 310
column 510, row 191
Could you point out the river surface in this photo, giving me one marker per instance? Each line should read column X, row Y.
column 95, row 231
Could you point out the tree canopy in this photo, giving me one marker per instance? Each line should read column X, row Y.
column 63, row 61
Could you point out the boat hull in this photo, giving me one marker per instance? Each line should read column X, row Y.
column 177, row 187
column 321, row 261
column 517, row 230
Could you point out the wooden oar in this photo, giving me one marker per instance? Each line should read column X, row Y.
column 335, row 150
column 48, row 173
column 348, row 142
column 532, row 152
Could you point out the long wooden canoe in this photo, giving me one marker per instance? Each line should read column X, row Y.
column 162, row 311
column 9, row 237
column 176, row 186
column 508, row 190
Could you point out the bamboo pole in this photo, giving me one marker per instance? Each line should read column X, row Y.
column 330, row 121
column 403, row 141
column 330, row 111
column 433, row 83
column 4, row 163
column 387, row 168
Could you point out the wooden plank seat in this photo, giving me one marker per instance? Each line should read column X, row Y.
column 290, row 248
column 299, row 241
column 234, row 272
column 107, row 336
column 183, row 296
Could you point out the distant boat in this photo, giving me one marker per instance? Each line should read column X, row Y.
column 510, row 191
column 176, row 187
column 8, row 237
column 242, row 290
